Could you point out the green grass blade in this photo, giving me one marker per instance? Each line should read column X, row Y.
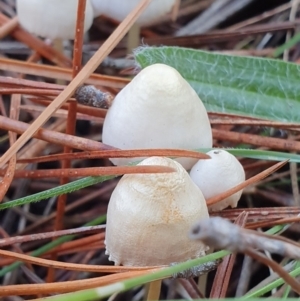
column 267, row 288
column 63, row 189
column 287, row 45
column 258, row 154
column 263, row 155
column 249, row 86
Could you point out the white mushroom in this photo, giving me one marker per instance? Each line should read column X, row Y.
column 157, row 109
column 149, row 216
column 119, row 9
column 54, row 19
column 218, row 174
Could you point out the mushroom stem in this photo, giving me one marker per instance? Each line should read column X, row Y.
column 59, row 46
column 133, row 38
column 175, row 10
column 154, row 290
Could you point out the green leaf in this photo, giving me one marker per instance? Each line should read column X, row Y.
column 249, row 86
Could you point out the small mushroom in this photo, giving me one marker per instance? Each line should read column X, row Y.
column 149, row 216
column 157, row 109
column 218, row 174
column 119, row 9
column 54, row 19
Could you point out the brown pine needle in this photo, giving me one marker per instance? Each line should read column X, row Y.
column 9, row 173
column 25, row 238
column 59, row 73
column 8, row 27
column 118, row 154
column 66, row 286
column 266, row 214
column 248, row 182
column 266, row 223
column 222, row 277
column 293, row 283
column 270, row 142
column 52, row 136
column 73, row 266
column 90, row 171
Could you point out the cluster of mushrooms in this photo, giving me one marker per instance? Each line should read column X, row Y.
column 149, row 215
column 56, row 19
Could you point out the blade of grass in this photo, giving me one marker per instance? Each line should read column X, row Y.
column 264, row 290
column 287, row 45
column 67, row 188
column 263, row 154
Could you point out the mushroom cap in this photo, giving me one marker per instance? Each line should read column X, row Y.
column 157, row 109
column 119, row 9
column 54, row 19
column 218, row 174
column 149, row 217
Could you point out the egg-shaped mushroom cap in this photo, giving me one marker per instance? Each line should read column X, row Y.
column 119, row 9
column 157, row 109
column 218, row 174
column 54, row 19
column 149, row 217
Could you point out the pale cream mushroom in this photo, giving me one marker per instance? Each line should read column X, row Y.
column 119, row 9
column 218, row 174
column 157, row 109
column 54, row 19
column 149, row 216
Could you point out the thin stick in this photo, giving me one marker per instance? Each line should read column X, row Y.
column 221, row 234
column 270, row 142
column 46, row 235
column 53, row 136
column 72, row 111
column 58, row 72
column 131, row 153
column 8, row 27
column 75, row 266
column 90, row 171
